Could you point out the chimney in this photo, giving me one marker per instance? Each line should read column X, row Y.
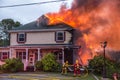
column 43, row 20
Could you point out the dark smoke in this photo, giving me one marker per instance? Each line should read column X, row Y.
column 88, row 5
column 108, row 23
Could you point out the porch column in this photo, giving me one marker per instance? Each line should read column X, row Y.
column 39, row 56
column 26, row 54
column 62, row 55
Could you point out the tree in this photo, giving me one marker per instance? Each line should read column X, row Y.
column 8, row 24
column 5, row 25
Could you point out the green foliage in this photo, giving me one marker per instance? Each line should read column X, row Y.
column 13, row 65
column 5, row 25
column 97, row 64
column 49, row 63
column 17, row 24
column 8, row 24
column 39, row 65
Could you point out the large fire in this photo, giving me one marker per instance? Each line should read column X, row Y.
column 97, row 20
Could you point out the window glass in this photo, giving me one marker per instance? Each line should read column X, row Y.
column 3, row 55
column 21, row 55
column 60, row 36
column 21, row 37
column 24, row 55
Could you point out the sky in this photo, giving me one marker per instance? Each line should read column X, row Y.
column 26, row 14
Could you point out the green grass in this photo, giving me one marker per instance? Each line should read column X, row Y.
column 49, row 76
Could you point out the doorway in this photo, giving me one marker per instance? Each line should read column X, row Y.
column 31, row 58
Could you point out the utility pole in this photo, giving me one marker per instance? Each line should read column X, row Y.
column 103, row 45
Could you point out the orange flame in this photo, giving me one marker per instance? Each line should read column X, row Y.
column 97, row 20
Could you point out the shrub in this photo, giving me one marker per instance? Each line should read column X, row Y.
column 13, row 65
column 97, row 64
column 49, row 63
column 39, row 65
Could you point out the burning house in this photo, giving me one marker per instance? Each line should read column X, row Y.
column 86, row 23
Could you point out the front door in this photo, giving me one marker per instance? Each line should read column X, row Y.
column 68, row 55
column 31, row 58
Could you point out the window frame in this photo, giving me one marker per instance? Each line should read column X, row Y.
column 2, row 56
column 18, row 37
column 57, row 36
column 22, row 57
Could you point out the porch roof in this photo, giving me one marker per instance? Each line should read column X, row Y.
column 43, row 45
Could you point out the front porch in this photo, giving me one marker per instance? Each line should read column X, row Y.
column 29, row 56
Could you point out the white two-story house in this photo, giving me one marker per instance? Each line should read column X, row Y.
column 32, row 41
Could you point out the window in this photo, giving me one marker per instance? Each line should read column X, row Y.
column 58, row 56
column 4, row 55
column 21, row 55
column 21, row 37
column 60, row 36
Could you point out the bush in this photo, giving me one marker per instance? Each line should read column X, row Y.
column 39, row 65
column 13, row 65
column 97, row 64
column 49, row 63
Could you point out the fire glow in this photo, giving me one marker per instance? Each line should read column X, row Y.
column 96, row 20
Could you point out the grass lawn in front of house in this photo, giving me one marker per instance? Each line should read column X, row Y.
column 43, row 76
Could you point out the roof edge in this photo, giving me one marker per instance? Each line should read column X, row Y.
column 39, row 30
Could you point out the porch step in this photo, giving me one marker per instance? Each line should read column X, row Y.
column 30, row 68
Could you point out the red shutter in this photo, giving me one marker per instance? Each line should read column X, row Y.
column 17, row 37
column 0, row 55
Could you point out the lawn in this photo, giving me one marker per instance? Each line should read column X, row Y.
column 44, row 76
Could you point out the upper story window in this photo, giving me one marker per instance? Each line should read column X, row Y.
column 4, row 55
column 21, row 37
column 60, row 36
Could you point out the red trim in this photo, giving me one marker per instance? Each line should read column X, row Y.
column 4, row 56
column 64, row 37
column 21, row 41
column 0, row 55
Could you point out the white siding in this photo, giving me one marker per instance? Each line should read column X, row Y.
column 39, row 38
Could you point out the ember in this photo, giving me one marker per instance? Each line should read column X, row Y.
column 97, row 20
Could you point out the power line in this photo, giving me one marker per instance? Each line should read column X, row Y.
column 31, row 4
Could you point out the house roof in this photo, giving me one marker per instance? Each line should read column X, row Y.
column 33, row 25
column 42, row 25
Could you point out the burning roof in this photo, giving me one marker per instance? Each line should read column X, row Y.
column 42, row 24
